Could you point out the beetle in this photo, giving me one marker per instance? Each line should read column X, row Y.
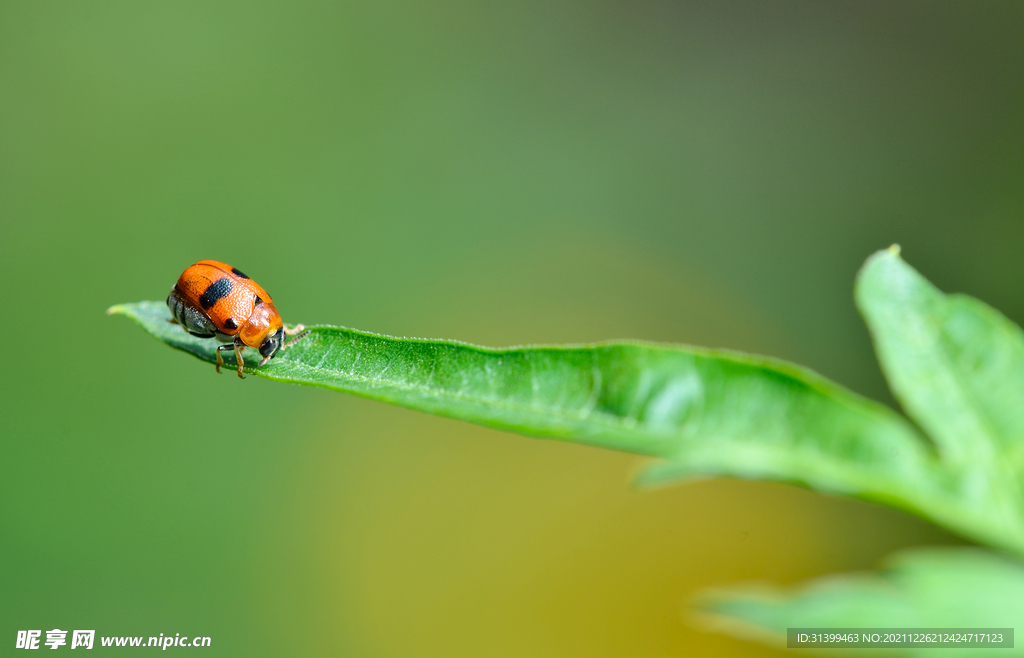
column 214, row 300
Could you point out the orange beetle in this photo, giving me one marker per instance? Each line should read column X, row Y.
column 212, row 299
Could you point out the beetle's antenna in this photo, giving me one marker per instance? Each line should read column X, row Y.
column 296, row 339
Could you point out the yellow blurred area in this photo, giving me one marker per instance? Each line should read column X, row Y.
column 471, row 542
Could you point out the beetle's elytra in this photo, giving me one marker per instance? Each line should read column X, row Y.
column 214, row 300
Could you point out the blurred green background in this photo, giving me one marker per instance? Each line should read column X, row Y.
column 702, row 172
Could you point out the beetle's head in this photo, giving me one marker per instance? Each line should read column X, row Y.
column 271, row 344
column 263, row 330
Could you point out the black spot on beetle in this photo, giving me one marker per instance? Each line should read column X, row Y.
column 231, row 324
column 259, row 300
column 219, row 289
column 238, row 272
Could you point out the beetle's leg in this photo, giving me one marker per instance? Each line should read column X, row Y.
column 294, row 330
column 238, row 355
column 220, row 359
column 296, row 339
column 173, row 320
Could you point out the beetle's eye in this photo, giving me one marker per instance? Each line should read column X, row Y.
column 272, row 344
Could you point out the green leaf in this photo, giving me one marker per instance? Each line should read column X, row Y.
column 950, row 588
column 957, row 367
column 708, row 412
column 705, row 411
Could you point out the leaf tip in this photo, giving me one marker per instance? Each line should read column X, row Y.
column 878, row 269
column 889, row 254
column 648, row 475
column 660, row 474
column 742, row 612
column 116, row 309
